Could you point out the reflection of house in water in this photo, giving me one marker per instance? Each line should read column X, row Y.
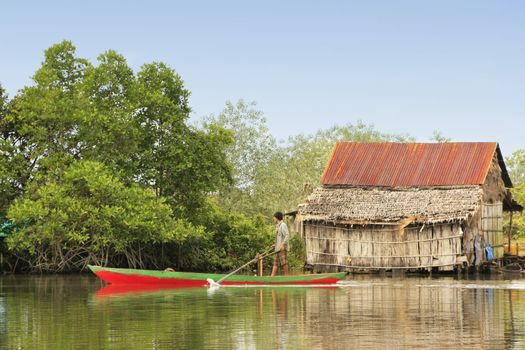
column 437, row 314
column 405, row 313
column 407, row 205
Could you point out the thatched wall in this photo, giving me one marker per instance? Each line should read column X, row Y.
column 333, row 247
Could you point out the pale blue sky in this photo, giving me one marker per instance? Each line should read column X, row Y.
column 405, row 66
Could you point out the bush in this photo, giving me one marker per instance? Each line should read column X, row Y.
column 232, row 239
column 87, row 215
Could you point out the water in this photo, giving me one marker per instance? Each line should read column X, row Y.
column 76, row 312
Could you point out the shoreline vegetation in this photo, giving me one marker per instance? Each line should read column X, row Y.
column 100, row 165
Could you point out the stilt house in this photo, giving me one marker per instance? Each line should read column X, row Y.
column 407, row 206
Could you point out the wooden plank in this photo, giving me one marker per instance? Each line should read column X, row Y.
column 414, row 246
column 440, row 246
column 354, row 248
column 383, row 250
column 386, row 236
column 368, row 249
column 342, row 246
column 426, row 246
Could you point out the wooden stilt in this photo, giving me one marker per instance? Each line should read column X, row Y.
column 510, row 230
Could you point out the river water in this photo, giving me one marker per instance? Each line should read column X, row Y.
column 369, row 312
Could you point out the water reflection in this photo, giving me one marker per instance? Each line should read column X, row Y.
column 370, row 313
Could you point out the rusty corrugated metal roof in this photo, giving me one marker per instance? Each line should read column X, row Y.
column 411, row 164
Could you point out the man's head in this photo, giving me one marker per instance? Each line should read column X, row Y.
column 277, row 217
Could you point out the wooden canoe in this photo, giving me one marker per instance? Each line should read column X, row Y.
column 193, row 279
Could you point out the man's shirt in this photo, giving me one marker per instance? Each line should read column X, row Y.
column 281, row 236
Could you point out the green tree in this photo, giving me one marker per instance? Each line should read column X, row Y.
column 7, row 188
column 178, row 161
column 15, row 160
column 516, row 166
column 253, row 140
column 109, row 132
column 135, row 124
column 250, row 152
column 47, row 115
column 438, row 136
column 40, row 127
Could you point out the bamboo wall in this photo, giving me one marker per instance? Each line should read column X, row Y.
column 332, row 247
column 492, row 226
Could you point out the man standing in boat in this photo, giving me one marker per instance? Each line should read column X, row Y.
column 282, row 237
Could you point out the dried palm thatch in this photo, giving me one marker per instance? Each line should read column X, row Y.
column 361, row 205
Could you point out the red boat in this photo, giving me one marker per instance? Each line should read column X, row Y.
column 192, row 279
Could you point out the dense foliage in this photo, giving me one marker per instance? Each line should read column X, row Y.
column 86, row 215
column 134, row 124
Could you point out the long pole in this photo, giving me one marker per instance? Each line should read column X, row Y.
column 259, row 265
column 265, row 254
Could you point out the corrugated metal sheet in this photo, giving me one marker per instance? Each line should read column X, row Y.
column 409, row 164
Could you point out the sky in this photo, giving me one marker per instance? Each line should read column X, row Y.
column 409, row 67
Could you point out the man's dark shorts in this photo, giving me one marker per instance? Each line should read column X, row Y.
column 280, row 258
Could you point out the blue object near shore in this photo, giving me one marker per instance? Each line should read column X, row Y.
column 489, row 252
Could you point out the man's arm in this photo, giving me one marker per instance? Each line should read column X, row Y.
column 286, row 234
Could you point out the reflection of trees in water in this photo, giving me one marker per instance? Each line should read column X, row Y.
column 3, row 318
column 65, row 311
column 280, row 312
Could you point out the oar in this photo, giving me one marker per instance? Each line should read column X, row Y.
column 217, row 284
